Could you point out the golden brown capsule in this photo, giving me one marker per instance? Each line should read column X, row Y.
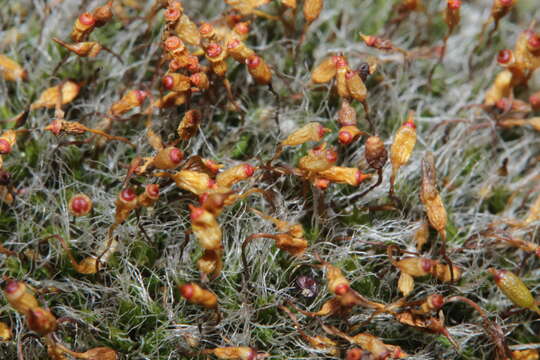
column 344, row 175
column 430, row 197
column 530, row 354
column 187, row 31
column 168, row 158
column 193, row 181
column 444, row 272
column 5, row 332
column 452, row 14
column 200, row 81
column 83, row 26
column 197, row 295
column 233, row 353
column 375, row 152
column 149, row 196
column 49, row 97
column 347, row 134
column 405, row 283
column 176, row 82
column 501, row 88
column 130, row 100
column 103, row 14
column 327, row 69
column 289, row 3
column 206, row 228
column 402, row 147
column 312, row 10
column 237, row 173
column 318, row 159
column 80, row 205
column 347, row 114
column 210, row 263
column 41, row 321
column 356, row 87
column 10, row 70
column 514, row 289
column 310, row 132
column 83, row 49
column 337, row 283
column 259, row 70
column 19, row 297
column 238, row 50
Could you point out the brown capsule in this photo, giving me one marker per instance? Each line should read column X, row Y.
column 206, row 228
column 312, row 10
column 347, row 114
column 234, row 174
column 189, row 124
column 375, row 152
column 19, row 297
column 49, row 97
column 130, row 100
column 210, row 263
column 318, row 159
column 80, row 205
column 176, row 82
column 514, row 289
column 452, row 14
column 259, row 70
column 83, row 26
column 99, row 353
column 149, row 196
column 344, row 175
column 41, row 321
column 200, row 81
column 310, row 132
column 103, row 14
column 197, row 295
column 168, row 158
column 215, row 53
column 125, row 203
column 11, row 70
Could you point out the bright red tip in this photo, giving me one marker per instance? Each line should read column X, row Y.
column 128, row 195
column 5, row 147
column 87, row 19
column 342, row 289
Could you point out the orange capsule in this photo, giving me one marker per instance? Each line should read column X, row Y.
column 11, row 70
column 125, row 203
column 326, row 70
column 341, row 82
column 7, row 141
column 215, row 53
column 344, row 175
column 310, row 132
column 200, row 81
column 514, row 288
column 337, row 283
column 312, row 10
column 356, row 87
column 500, row 8
column 195, row 294
column 416, row 266
column 259, row 70
column 49, row 97
column 19, row 297
column 83, row 26
column 80, row 205
column 206, row 228
column 206, row 30
column 149, row 196
column 234, row 174
column 130, row 100
column 403, row 144
column 174, row 45
column 173, row 12
column 41, row 321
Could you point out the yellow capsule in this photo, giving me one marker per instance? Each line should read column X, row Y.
column 233, row 353
column 310, row 132
column 10, row 70
column 5, row 332
column 312, row 10
column 206, row 228
column 344, row 175
column 83, row 49
column 19, row 297
column 197, row 295
column 49, row 97
column 130, row 100
column 326, row 70
column 514, row 289
column 501, row 88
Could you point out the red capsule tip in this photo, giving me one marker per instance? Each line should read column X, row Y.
column 176, row 155
column 534, row 41
column 12, row 286
column 5, row 147
column 140, row 95
column 506, row 3
column 214, row 50
column 427, row 265
column 203, row 197
column 212, row 184
column 173, row 43
column 253, row 61
column 233, row 44
column 128, row 195
column 152, row 190
column 342, row 289
column 80, row 205
column 345, row 137
column 354, row 354
column 206, row 29
column 339, row 61
column 322, row 184
column 187, row 291
column 249, row 170
column 410, row 124
column 172, row 14
column 196, row 212
column 252, row 354
column 504, row 57
column 168, row 82
column 87, row 19
column 534, row 100
column 437, row 301
column 242, row 28
column 454, row 4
